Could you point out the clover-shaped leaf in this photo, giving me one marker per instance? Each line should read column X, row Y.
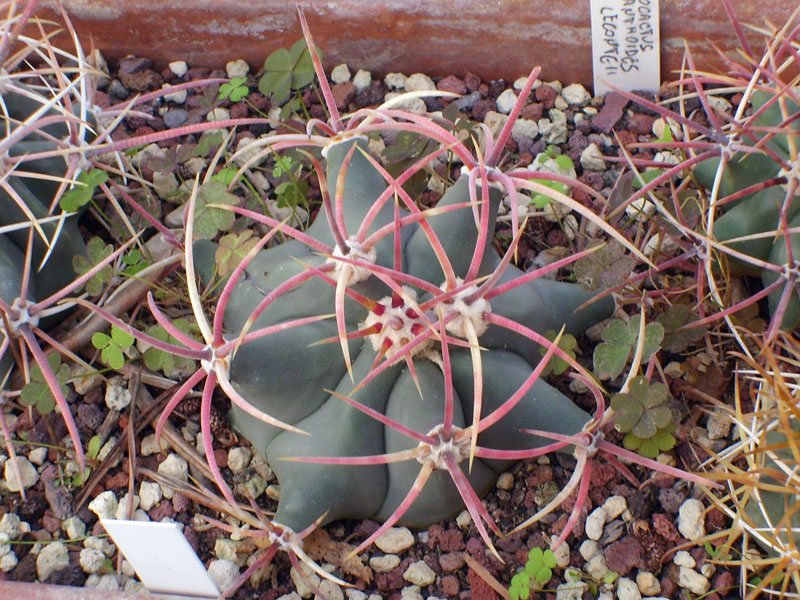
column 677, row 339
column 620, row 339
column 605, row 268
column 540, row 565
column 97, row 251
column 643, row 410
column 662, row 441
column 234, row 89
column 159, row 360
column 232, row 249
column 111, row 346
column 208, row 220
column 83, row 190
column 37, row 393
column 558, row 365
column 286, row 70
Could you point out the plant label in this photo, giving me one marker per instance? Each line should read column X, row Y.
column 625, row 45
column 161, row 557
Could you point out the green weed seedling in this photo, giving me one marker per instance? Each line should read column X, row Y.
column 82, row 193
column 557, row 365
column 538, row 571
column 550, row 161
column 643, row 414
column 97, row 251
column 619, row 341
column 111, row 346
column 37, row 393
column 234, row 90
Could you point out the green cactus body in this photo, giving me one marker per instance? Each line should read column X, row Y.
column 291, row 378
column 759, row 212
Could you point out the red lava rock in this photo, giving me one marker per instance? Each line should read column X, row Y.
column 142, row 81
column 393, row 580
column 610, row 113
column 624, row 555
column 546, row 95
column 343, row 93
column 371, row 95
column 641, row 124
column 540, row 475
column 191, row 536
column 669, row 588
column 134, row 64
column 259, row 101
column 450, row 586
column 451, row 561
column 448, row 540
column 532, row 111
column 663, row 526
column 222, row 457
column 180, row 502
column 496, row 87
column 602, row 472
column 477, row 549
column 117, row 481
column 239, row 110
column 483, row 90
column 51, row 523
column 724, row 582
column 481, row 107
column 480, row 589
column 161, row 510
column 556, row 237
column 453, row 84
column 472, row 81
column 715, row 520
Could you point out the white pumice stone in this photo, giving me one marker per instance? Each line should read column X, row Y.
column 27, row 473
column 178, row 68
column 395, row 540
column 506, row 101
column 105, row 505
column 690, row 519
column 362, row 79
column 237, row 68
column 173, row 467
column 53, row 557
column 340, row 73
column 419, row 82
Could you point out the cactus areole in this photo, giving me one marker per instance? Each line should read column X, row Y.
column 294, row 377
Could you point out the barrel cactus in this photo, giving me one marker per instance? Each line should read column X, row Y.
column 758, row 187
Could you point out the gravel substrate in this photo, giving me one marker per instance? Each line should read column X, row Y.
column 628, row 531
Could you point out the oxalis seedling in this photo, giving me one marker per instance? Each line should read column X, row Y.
column 537, row 572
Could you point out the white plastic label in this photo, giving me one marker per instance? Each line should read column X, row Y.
column 625, row 45
column 161, row 557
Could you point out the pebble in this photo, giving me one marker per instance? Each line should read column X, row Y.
column 117, row 395
column 592, row 158
column 27, row 473
column 574, row 587
column 506, row 101
column 355, row 594
column 173, row 467
column 615, row 506
column 239, row 459
column 420, row 574
column 690, row 519
column 595, row 523
column 164, row 184
column 505, row 481
column 628, row 590
column 91, row 560
column 395, row 540
column 561, row 555
column 328, row 590
column 524, row 129
column 37, row 456
column 8, row 562
column 464, row 519
column 107, row 582
column 648, row 583
column 340, row 73
column 684, row 559
column 253, row 487
column 101, row 544
column 385, row 563
column 10, row 524
column 237, row 68
column 124, row 504
column 53, row 557
column 178, row 97
column 576, row 95
column 5, row 547
column 178, row 68
column 149, row 446
column 718, row 426
column 74, row 528
column 589, row 549
column 218, row 114
column 596, row 566
column 117, row 90
column 693, row 581
column 290, row 596
column 149, row 494
column 409, row 103
column 640, row 209
column 560, row 103
column 395, row 81
column 224, row 573
column 305, row 582
column 419, row 82
column 362, row 79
